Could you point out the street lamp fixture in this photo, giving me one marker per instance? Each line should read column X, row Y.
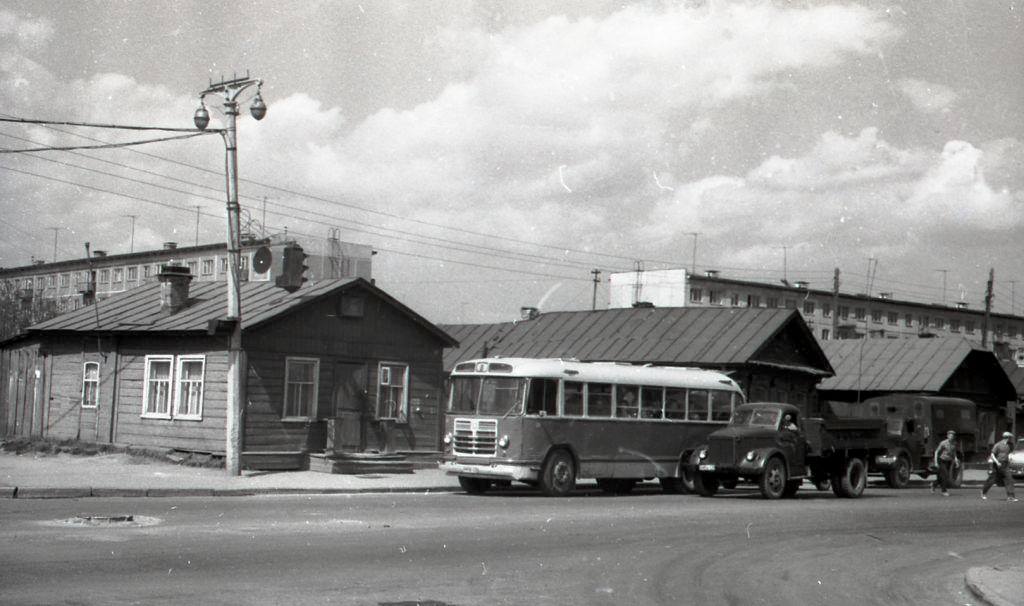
column 230, row 90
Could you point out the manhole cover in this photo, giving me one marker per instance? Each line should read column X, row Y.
column 106, row 521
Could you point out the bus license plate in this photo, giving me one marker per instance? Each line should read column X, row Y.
column 706, row 467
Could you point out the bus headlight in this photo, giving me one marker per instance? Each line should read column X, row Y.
column 503, row 442
column 703, row 454
column 751, row 455
column 447, row 438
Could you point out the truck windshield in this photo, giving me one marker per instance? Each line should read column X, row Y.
column 757, row 417
column 487, row 395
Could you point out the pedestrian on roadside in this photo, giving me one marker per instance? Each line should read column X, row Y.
column 999, row 467
column 946, row 462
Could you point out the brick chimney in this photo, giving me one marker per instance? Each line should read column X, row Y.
column 170, row 245
column 174, row 280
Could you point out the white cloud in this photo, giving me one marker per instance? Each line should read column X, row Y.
column 928, row 97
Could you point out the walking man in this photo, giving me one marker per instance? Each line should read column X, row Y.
column 999, row 470
column 945, row 462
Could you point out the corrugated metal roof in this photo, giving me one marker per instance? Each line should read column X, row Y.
column 663, row 335
column 894, row 364
column 138, row 309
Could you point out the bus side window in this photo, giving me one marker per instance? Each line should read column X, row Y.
column 651, row 402
column 543, row 397
column 599, row 399
column 721, row 405
column 697, row 409
column 675, row 403
column 573, row 404
column 627, row 404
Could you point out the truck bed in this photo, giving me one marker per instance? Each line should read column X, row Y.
column 834, row 434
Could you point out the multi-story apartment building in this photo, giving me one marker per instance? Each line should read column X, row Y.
column 829, row 315
column 77, row 282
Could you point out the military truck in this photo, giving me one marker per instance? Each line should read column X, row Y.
column 918, row 422
column 770, row 444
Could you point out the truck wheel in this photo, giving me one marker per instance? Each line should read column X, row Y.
column 773, row 481
column 791, row 487
column 558, row 476
column 704, row 484
column 474, row 485
column 851, row 483
column 899, row 475
column 956, row 479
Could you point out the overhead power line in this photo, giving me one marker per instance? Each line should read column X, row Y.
column 170, row 129
column 101, row 146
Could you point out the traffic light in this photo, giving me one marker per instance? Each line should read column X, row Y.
column 292, row 267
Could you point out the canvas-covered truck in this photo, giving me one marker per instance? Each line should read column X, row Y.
column 770, row 445
column 918, row 422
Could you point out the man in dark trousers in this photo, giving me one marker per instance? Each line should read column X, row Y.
column 945, row 462
column 999, row 471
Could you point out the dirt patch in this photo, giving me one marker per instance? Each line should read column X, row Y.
column 133, row 455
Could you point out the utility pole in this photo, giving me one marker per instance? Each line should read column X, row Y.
column 55, row 231
column 943, row 272
column 597, row 280
column 835, row 304
column 131, row 247
column 197, row 207
column 988, row 306
column 693, row 259
column 229, row 90
column 867, row 278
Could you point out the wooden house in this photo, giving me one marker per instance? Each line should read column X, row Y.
column 338, row 365
column 769, row 352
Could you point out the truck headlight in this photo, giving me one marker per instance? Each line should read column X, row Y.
column 751, row 455
column 703, row 454
column 503, row 442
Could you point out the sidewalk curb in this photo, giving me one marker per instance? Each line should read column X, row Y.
column 977, row 587
column 13, row 492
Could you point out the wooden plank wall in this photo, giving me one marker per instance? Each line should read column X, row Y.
column 22, row 402
column 382, row 333
column 66, row 418
column 206, row 435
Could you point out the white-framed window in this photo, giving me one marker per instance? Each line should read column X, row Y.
column 392, row 391
column 65, row 280
column 51, row 280
column 157, row 387
column 193, row 268
column 105, row 276
column 133, row 273
column 147, row 270
column 207, row 267
column 301, row 378
column 90, row 384
column 188, row 393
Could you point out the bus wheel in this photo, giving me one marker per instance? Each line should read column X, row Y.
column 670, row 485
column 474, row 485
column 558, row 476
column 899, row 475
column 773, row 481
column 704, row 484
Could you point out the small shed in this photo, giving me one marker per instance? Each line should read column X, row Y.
column 769, row 352
column 941, row 366
column 338, row 365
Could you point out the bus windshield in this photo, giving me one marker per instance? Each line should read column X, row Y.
column 487, row 395
column 756, row 417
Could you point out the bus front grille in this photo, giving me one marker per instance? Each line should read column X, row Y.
column 477, row 437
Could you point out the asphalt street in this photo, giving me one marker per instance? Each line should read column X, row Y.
column 888, row 547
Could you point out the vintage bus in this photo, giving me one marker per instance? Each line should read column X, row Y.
column 549, row 422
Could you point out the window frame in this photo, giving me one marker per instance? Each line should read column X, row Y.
column 177, row 379
column 146, row 413
column 288, row 361
column 86, row 382
column 386, row 367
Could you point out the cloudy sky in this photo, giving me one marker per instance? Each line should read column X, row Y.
column 494, row 153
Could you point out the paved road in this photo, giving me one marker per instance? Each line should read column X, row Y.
column 889, row 547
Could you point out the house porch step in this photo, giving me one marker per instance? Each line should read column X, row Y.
column 359, row 463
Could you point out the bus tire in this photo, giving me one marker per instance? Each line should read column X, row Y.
column 474, row 485
column 558, row 476
column 705, row 484
column 851, row 481
column 772, row 481
column 899, row 475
